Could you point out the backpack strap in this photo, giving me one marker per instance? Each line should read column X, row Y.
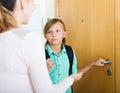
column 70, row 56
column 47, row 55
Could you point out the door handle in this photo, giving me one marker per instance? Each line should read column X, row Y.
column 109, row 71
column 108, row 61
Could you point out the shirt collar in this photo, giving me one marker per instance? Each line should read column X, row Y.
column 50, row 51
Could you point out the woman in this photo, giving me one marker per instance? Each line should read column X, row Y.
column 22, row 60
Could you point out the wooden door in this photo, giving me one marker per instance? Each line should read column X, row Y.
column 90, row 31
column 117, row 46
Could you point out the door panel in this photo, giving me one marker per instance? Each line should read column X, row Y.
column 117, row 46
column 90, row 31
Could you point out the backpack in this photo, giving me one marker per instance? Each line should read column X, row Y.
column 70, row 56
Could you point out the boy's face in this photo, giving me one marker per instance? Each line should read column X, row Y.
column 55, row 34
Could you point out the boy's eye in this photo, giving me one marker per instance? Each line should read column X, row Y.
column 57, row 30
column 48, row 32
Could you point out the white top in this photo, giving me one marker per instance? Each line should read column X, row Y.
column 23, row 66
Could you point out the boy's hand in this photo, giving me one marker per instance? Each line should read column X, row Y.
column 99, row 62
column 50, row 64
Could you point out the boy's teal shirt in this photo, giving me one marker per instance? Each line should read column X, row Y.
column 61, row 68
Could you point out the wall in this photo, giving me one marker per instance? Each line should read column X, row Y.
column 44, row 9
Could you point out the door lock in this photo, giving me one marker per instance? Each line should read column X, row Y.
column 109, row 72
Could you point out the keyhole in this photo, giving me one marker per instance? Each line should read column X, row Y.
column 109, row 72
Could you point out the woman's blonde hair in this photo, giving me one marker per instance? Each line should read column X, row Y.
column 7, row 19
column 52, row 22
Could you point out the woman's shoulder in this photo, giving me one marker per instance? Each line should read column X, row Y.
column 23, row 33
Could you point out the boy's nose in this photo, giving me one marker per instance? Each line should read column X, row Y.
column 53, row 34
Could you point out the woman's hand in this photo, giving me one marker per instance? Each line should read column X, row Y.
column 77, row 76
column 50, row 64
